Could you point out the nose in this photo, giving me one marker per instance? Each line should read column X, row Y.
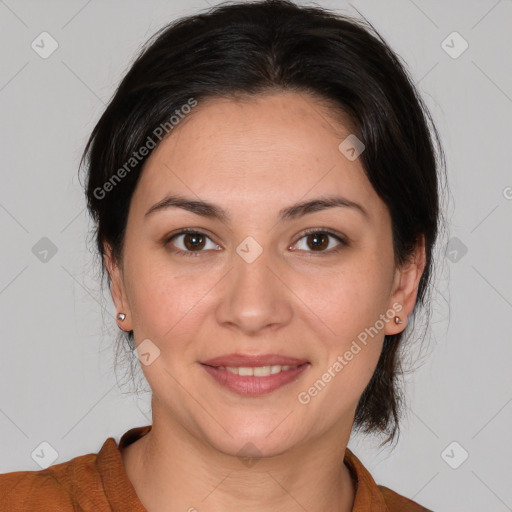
column 255, row 297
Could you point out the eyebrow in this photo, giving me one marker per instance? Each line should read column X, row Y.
column 210, row 210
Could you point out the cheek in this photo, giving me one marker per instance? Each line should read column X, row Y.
column 165, row 301
column 350, row 298
column 350, row 304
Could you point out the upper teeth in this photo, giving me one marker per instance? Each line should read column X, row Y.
column 257, row 371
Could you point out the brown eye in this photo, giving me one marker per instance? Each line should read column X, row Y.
column 193, row 241
column 190, row 243
column 320, row 241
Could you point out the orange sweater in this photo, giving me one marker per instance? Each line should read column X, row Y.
column 99, row 483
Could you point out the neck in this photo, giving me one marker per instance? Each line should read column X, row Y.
column 174, row 471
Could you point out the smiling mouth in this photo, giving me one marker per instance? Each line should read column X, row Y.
column 255, row 380
column 257, row 371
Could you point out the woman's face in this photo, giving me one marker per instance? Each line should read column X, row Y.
column 254, row 282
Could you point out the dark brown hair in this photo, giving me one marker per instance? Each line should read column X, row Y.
column 250, row 48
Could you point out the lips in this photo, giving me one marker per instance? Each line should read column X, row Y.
column 250, row 361
column 255, row 375
column 251, row 385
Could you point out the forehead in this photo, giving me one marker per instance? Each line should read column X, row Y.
column 273, row 149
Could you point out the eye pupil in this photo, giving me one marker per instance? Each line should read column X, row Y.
column 319, row 240
column 196, row 239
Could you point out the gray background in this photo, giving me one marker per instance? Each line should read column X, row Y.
column 57, row 377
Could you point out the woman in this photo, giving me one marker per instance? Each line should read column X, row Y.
column 265, row 190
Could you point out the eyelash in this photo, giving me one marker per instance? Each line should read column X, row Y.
column 338, row 237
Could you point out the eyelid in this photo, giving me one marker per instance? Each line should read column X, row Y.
column 182, row 231
column 327, row 231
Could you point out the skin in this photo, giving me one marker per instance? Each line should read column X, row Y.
column 254, row 157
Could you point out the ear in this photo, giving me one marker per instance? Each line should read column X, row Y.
column 117, row 289
column 405, row 287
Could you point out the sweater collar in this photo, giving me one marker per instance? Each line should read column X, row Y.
column 120, row 491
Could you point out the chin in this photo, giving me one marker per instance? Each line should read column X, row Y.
column 250, row 448
column 248, row 438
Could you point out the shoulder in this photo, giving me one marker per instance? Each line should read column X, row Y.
column 370, row 496
column 89, row 483
column 397, row 503
column 57, row 487
column 31, row 490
